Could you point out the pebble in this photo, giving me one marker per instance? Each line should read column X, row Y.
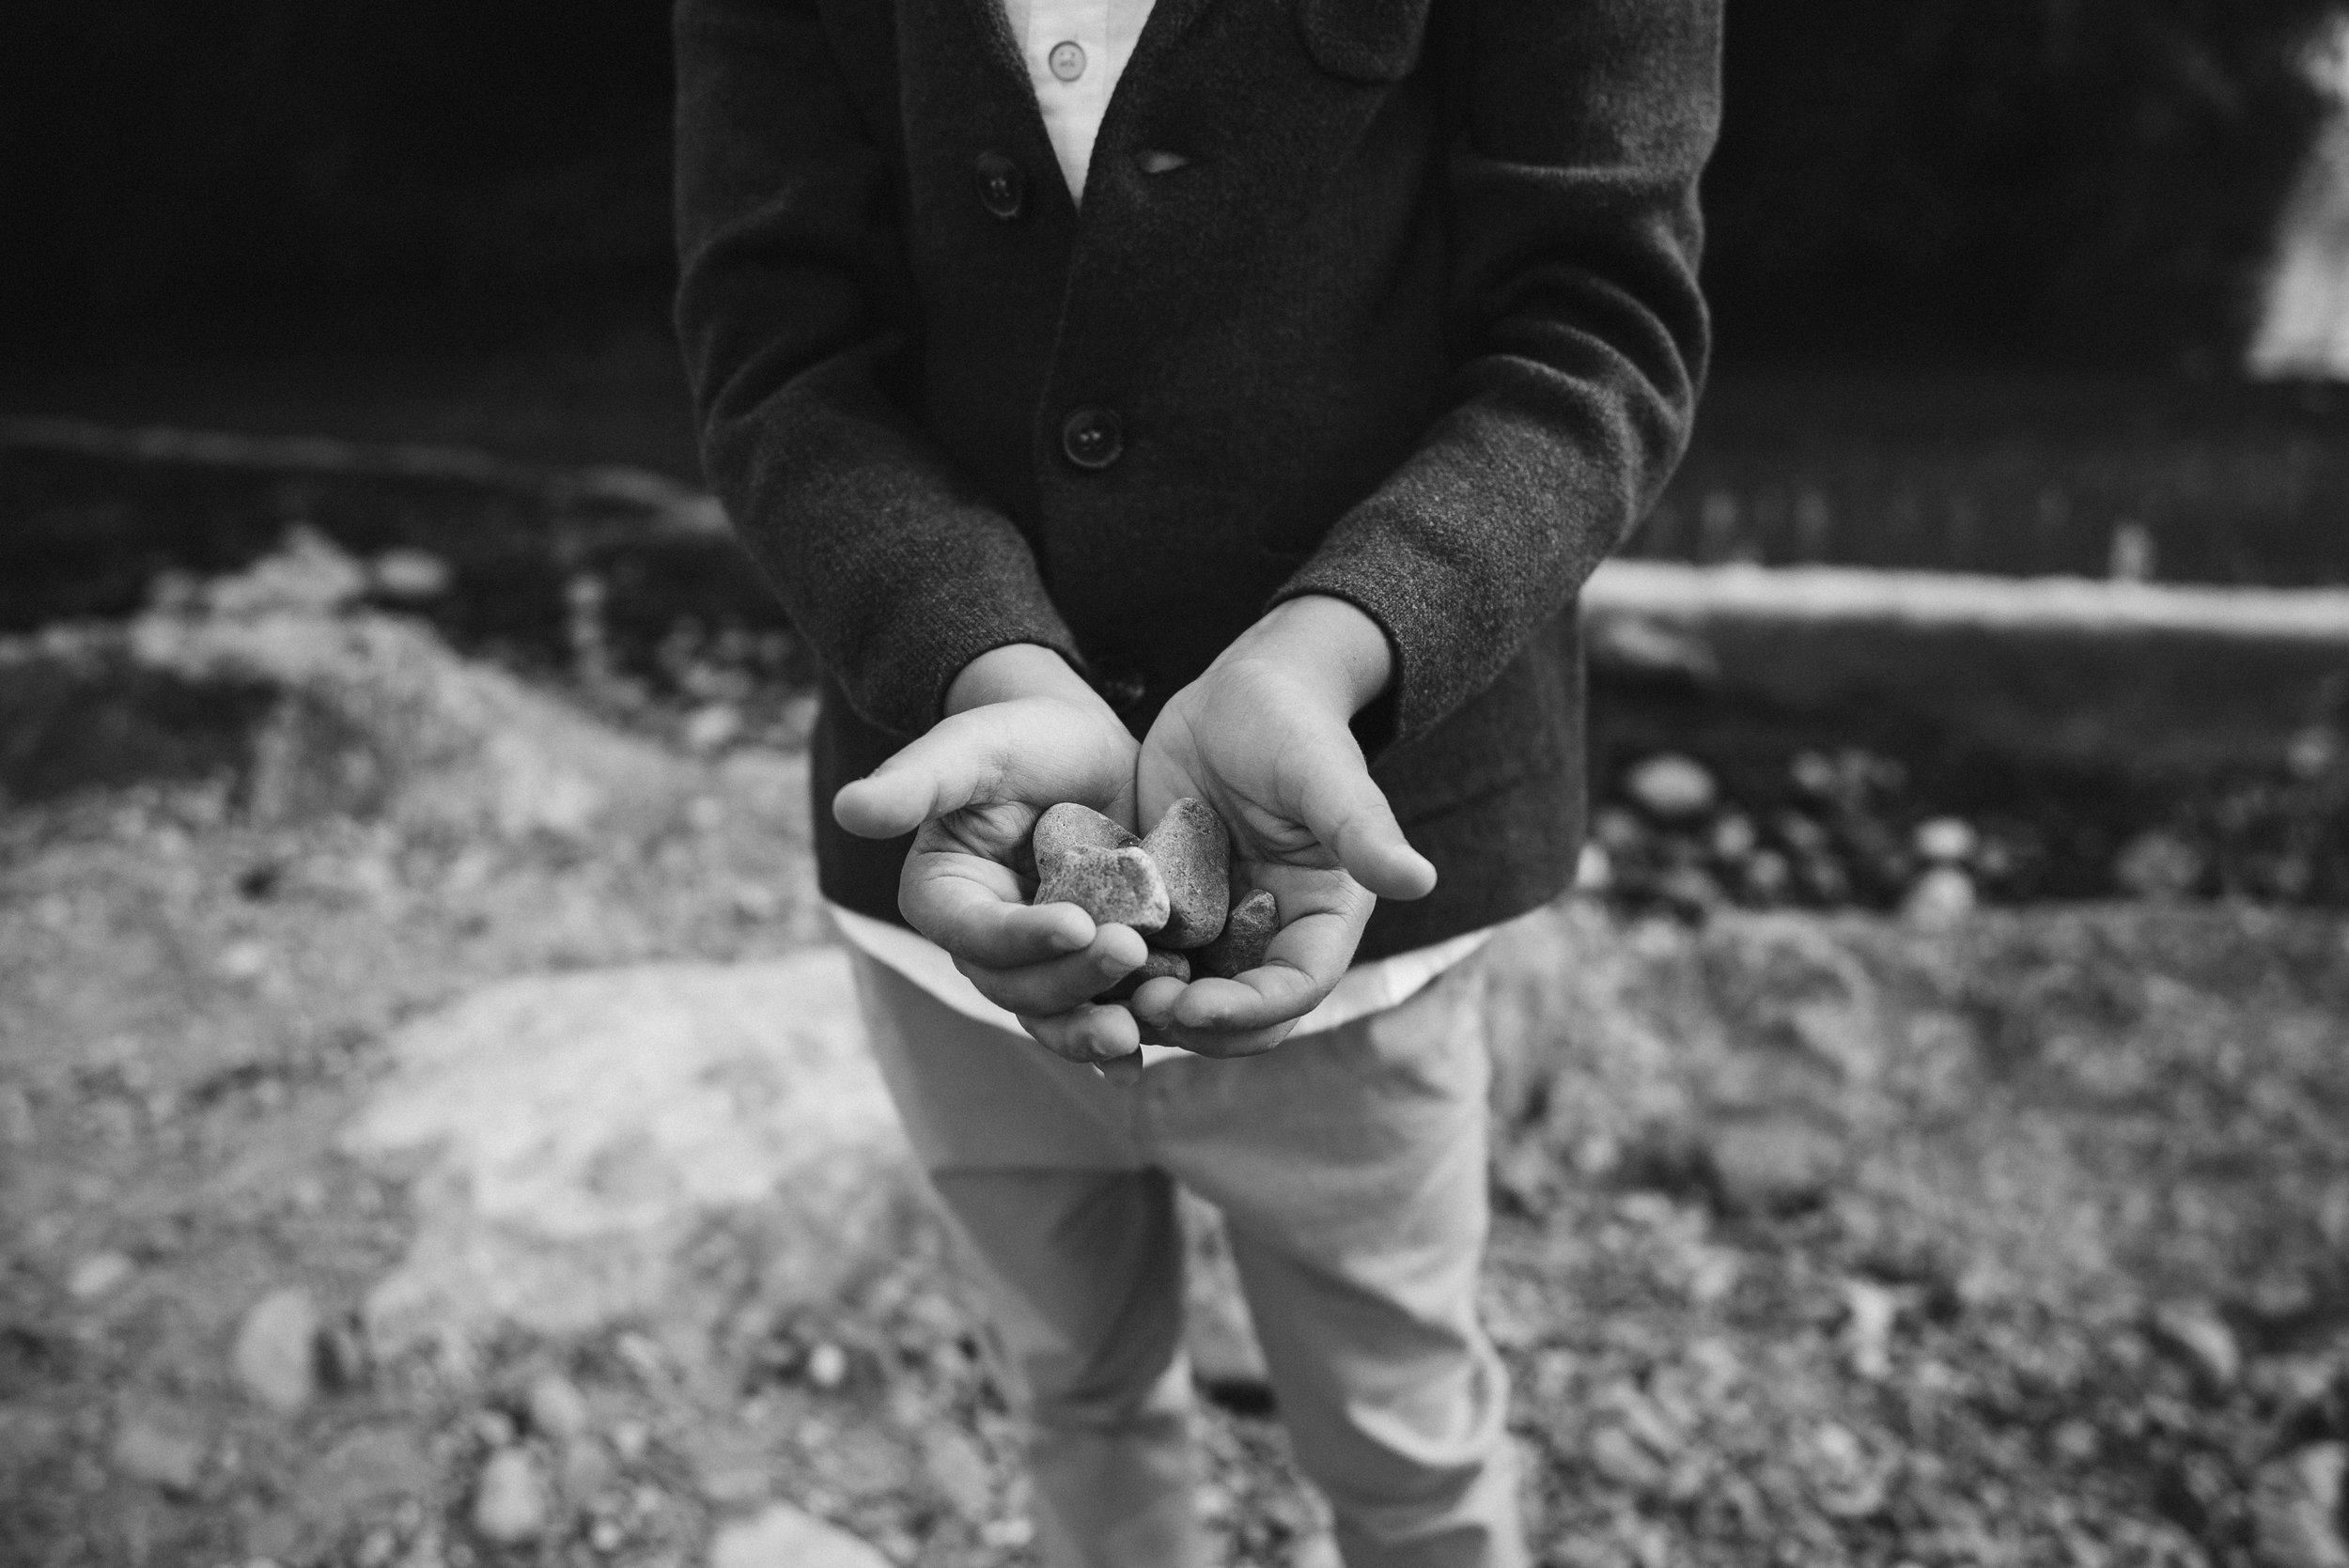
column 1946, row 841
column 710, row 727
column 94, row 1276
column 1116, row 887
column 1193, row 854
column 344, row 1361
column 509, row 1501
column 410, row 574
column 2203, row 1340
column 827, row 1365
column 16, row 1118
column 146, row 1451
column 1672, row 787
column 1618, row 1456
column 1594, row 869
column 1773, row 1164
column 276, row 1356
column 1735, row 837
column 1767, row 875
column 1069, row 826
column 959, row 1473
column 2298, row 1503
column 1871, row 1313
column 1940, row 899
column 2158, row 865
column 782, row 1536
column 556, row 1409
column 1157, row 965
column 1255, row 920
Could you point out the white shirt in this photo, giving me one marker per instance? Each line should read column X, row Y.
column 1076, row 51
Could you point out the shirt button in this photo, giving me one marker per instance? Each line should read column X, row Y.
column 1091, row 438
column 1067, row 60
column 1003, row 188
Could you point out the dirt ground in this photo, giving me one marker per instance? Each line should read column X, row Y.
column 1820, row 1240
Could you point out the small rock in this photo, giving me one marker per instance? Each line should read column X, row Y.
column 1688, row 892
column 1946, row 841
column 1941, row 898
column 781, row 1536
column 1773, row 1164
column 827, row 1365
column 959, row 1473
column 1644, row 648
column 2158, row 865
column 1248, row 934
column 1735, row 837
column 16, row 1118
column 94, row 1276
column 1158, row 963
column 1618, row 1456
column 1116, row 887
column 2203, row 1340
column 556, row 1409
column 1766, row 877
column 410, row 574
column 511, row 1502
column 146, row 1450
column 710, row 727
column 343, row 1360
column 2298, row 1503
column 244, row 961
column 276, row 1351
column 2314, row 752
column 1594, row 869
column 1871, row 1312
column 1670, row 787
column 1193, row 854
column 1619, row 833
column 1069, row 826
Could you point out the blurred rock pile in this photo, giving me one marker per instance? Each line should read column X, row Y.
column 1851, row 828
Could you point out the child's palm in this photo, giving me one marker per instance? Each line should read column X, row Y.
column 1308, row 826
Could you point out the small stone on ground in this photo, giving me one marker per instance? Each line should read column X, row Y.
column 782, row 1536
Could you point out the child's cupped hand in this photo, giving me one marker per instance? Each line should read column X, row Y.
column 970, row 791
column 1263, row 737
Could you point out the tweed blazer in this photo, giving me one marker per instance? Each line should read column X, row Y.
column 1389, row 299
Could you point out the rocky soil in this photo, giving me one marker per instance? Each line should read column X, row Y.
column 431, row 1135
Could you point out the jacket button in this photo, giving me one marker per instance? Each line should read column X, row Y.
column 1003, row 188
column 1091, row 439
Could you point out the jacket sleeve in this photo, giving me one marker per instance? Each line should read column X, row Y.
column 792, row 313
column 1582, row 128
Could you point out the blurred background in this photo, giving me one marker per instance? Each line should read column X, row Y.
column 1934, row 1089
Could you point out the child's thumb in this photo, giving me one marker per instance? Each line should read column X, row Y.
column 951, row 766
column 1349, row 814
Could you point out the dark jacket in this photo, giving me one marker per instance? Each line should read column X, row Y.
column 1410, row 317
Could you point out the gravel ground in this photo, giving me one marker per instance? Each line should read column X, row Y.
column 2017, row 1235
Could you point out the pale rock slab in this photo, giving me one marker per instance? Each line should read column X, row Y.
column 567, row 1135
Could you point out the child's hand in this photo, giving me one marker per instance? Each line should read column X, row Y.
column 1262, row 737
column 1023, row 732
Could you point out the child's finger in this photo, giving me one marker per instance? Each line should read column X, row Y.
column 1348, row 813
column 1093, row 1033
column 972, row 923
column 1058, row 984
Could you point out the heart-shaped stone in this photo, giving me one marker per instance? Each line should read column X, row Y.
column 1255, row 920
column 1161, row 962
column 1193, row 852
column 1069, row 826
column 1116, row 887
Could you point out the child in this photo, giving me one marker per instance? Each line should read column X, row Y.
column 1220, row 398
